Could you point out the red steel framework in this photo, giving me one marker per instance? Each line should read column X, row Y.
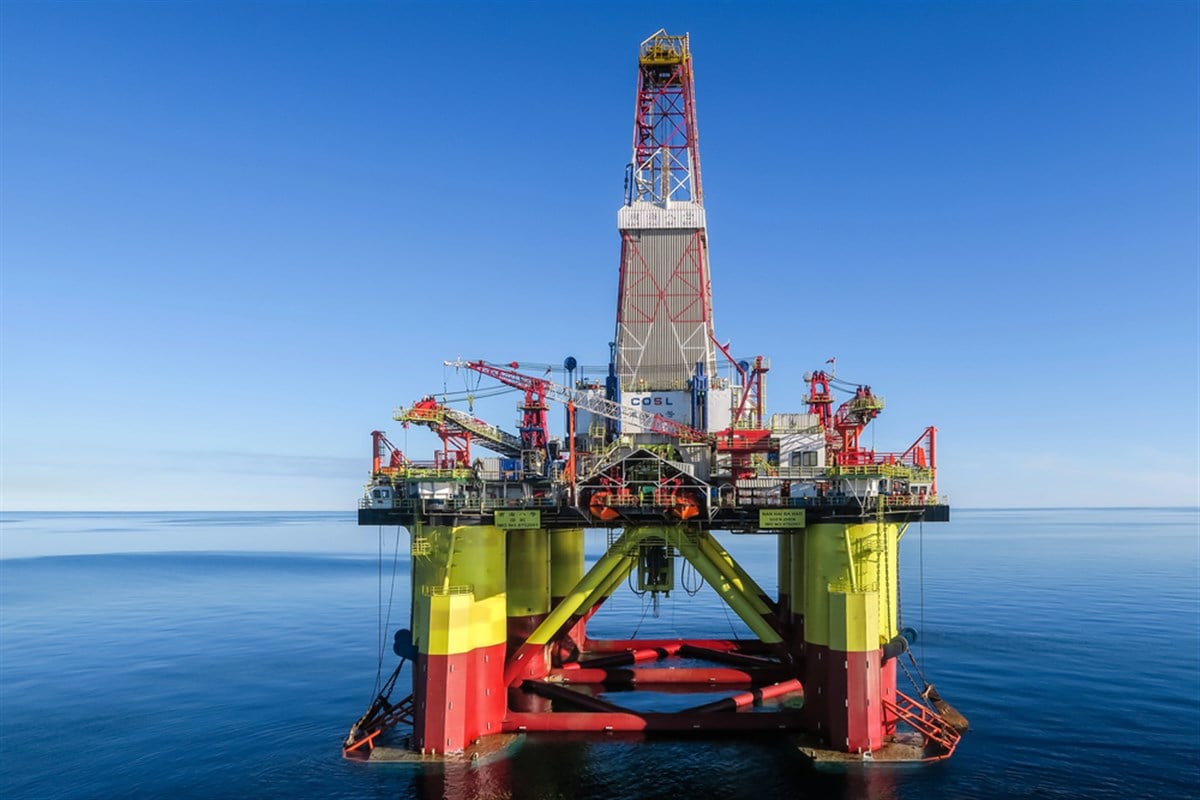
column 687, row 289
column 668, row 286
column 665, row 135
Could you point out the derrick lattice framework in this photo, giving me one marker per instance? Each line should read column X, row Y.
column 664, row 312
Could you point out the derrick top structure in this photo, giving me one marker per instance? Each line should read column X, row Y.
column 666, row 140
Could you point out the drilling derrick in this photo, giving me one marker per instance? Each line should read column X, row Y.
column 664, row 338
column 663, row 454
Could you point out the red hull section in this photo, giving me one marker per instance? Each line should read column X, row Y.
column 460, row 698
column 699, row 722
column 845, row 698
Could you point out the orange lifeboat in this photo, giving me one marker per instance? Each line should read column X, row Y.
column 598, row 506
column 685, row 506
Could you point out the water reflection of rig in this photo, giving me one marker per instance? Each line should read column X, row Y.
column 661, row 451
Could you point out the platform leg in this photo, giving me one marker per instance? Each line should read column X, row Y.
column 849, row 586
column 566, row 570
column 459, row 630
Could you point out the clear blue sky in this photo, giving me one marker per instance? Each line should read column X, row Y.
column 236, row 235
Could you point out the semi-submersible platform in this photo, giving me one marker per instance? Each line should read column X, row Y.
column 660, row 452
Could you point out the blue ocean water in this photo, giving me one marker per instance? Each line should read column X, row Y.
column 225, row 655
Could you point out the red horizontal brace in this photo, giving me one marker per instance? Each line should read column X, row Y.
column 517, row 722
column 745, row 699
column 649, row 677
column 736, row 659
column 621, row 645
column 628, row 657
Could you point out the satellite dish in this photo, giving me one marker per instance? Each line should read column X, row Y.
column 570, row 364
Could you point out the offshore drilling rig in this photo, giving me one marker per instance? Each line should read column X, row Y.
column 660, row 453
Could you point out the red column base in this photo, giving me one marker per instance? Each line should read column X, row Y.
column 844, row 697
column 459, row 698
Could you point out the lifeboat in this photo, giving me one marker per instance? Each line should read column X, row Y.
column 598, row 506
column 685, row 506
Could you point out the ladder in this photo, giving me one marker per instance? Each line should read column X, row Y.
column 926, row 722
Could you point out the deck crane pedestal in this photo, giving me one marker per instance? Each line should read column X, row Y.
column 663, row 453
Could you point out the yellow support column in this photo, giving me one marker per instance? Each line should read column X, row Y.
column 849, row 587
column 528, row 583
column 459, row 630
column 796, row 589
column 783, row 577
column 566, row 570
column 528, row 599
column 566, row 561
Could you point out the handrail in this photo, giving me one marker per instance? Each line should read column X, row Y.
column 426, row 471
column 926, row 722
column 447, row 591
column 884, row 469
column 662, row 48
column 440, row 505
column 889, row 501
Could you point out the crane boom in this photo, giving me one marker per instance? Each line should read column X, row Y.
column 434, row 415
column 589, row 401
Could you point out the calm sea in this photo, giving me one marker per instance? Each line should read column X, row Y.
column 226, row 654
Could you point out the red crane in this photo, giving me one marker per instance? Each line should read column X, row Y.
column 754, row 394
column 534, row 427
column 844, row 426
column 538, row 389
column 456, row 442
column 381, row 448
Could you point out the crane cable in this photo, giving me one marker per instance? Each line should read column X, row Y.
column 465, row 393
column 843, row 384
column 645, row 608
column 468, row 396
column 921, row 540
column 728, row 621
column 382, row 620
column 924, row 684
